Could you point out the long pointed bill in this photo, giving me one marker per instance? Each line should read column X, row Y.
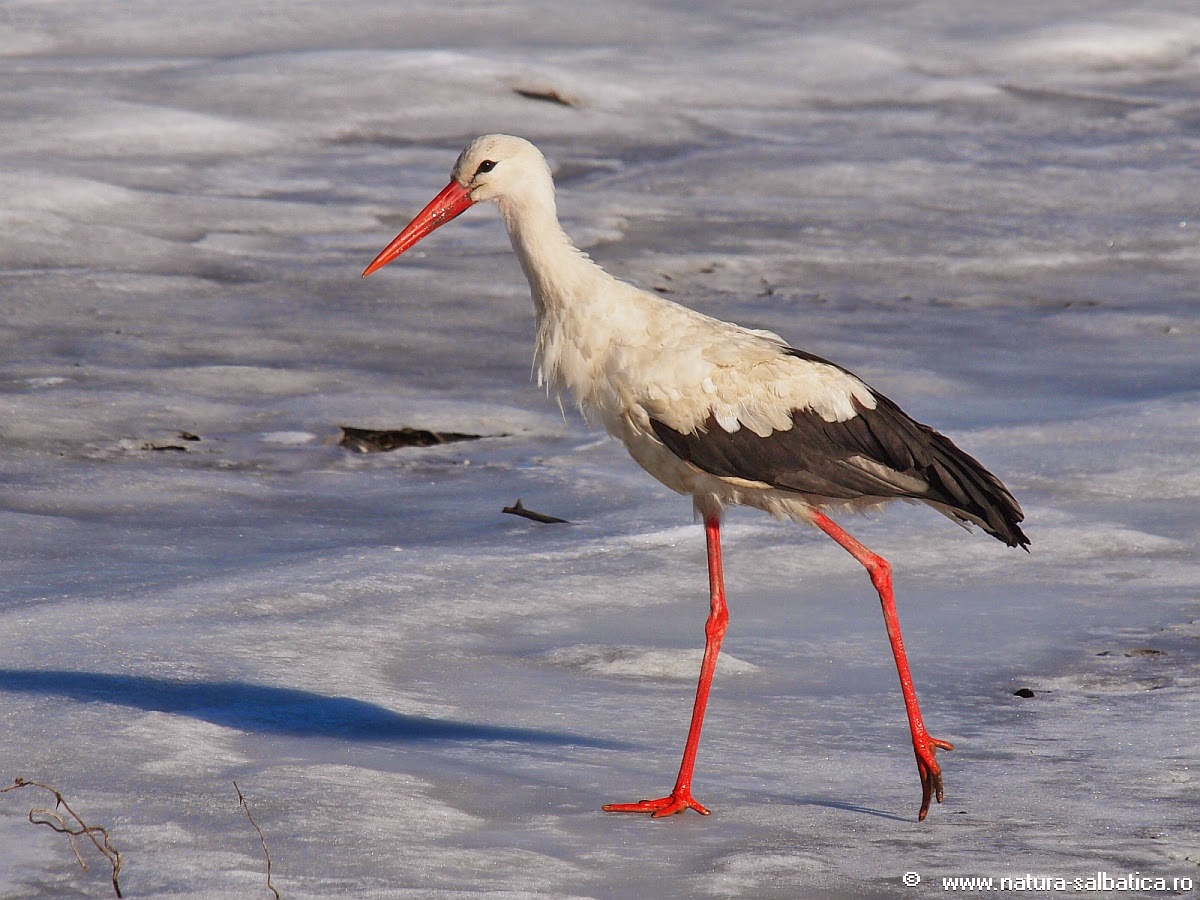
column 451, row 202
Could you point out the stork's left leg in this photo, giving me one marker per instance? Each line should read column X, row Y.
column 680, row 797
column 924, row 745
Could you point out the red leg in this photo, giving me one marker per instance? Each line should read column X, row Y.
column 680, row 797
column 925, row 746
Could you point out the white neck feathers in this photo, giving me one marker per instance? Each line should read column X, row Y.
column 568, row 291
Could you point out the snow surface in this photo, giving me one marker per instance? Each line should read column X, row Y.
column 987, row 210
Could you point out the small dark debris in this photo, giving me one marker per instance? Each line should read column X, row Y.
column 1026, row 693
column 517, row 509
column 548, row 94
column 367, row 440
column 188, row 436
column 1145, row 651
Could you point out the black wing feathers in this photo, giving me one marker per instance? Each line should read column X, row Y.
column 880, row 453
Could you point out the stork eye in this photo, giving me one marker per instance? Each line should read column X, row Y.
column 486, row 166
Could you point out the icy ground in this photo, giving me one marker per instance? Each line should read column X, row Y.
column 987, row 210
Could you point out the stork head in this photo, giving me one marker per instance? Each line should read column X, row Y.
column 496, row 167
column 500, row 165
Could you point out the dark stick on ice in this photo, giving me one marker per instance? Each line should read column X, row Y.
column 518, row 510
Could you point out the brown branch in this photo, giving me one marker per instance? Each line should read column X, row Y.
column 55, row 822
column 553, row 95
column 261, row 837
column 518, row 510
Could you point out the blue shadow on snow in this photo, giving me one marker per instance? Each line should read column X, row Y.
column 274, row 710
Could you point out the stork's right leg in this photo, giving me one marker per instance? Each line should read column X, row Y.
column 924, row 745
column 680, row 797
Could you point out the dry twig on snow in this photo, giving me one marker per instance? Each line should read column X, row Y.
column 262, row 838
column 55, row 821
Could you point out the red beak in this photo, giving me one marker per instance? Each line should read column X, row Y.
column 451, row 202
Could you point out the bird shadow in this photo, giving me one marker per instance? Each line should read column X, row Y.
column 274, row 710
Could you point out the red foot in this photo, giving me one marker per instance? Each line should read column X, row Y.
column 664, row 806
column 931, row 772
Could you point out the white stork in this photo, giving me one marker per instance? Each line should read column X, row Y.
column 726, row 414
